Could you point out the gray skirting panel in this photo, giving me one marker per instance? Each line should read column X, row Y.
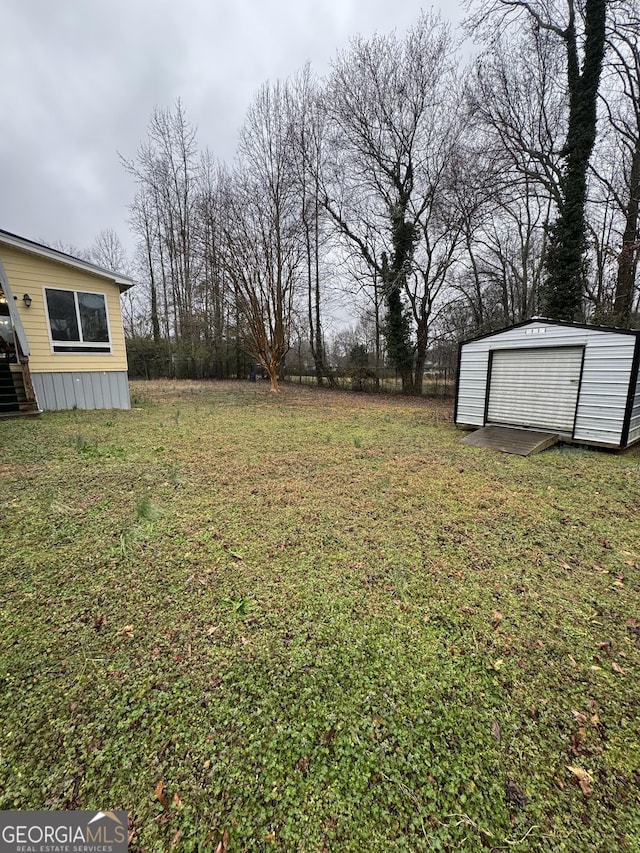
column 98, row 389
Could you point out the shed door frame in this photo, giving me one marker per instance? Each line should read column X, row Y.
column 534, row 349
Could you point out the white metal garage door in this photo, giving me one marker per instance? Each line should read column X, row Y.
column 535, row 387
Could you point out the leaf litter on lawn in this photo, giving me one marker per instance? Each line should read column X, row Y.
column 330, row 643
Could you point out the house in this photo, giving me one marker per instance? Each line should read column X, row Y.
column 577, row 381
column 61, row 337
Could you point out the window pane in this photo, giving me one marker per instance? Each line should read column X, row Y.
column 93, row 317
column 62, row 315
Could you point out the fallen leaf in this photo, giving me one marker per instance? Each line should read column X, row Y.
column 212, row 630
column 302, row 764
column 127, row 631
column 577, row 740
column 565, row 565
column 176, row 838
column 574, row 662
column 161, row 797
column 496, row 618
column 224, row 842
column 496, row 732
column 585, row 779
column 580, row 718
column 514, row 793
column 177, row 801
column 617, row 668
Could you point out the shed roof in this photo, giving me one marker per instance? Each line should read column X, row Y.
column 124, row 282
column 570, row 323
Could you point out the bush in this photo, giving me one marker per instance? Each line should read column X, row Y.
column 363, row 379
column 148, row 359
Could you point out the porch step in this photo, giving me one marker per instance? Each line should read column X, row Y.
column 13, row 397
column 32, row 412
column 522, row 442
column 8, row 396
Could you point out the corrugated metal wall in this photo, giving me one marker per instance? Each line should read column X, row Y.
column 605, row 379
column 95, row 390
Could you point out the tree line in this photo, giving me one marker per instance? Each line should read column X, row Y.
column 421, row 197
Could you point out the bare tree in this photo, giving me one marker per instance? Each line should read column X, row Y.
column 308, row 127
column 164, row 215
column 143, row 221
column 579, row 26
column 622, row 107
column 263, row 233
column 108, row 252
column 215, row 288
column 517, row 108
column 391, row 103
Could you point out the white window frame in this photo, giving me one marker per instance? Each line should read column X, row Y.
column 80, row 347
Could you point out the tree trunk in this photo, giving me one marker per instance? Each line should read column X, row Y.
column 272, row 370
column 628, row 257
column 564, row 285
column 421, row 356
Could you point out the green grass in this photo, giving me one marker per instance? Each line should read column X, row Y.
column 317, row 622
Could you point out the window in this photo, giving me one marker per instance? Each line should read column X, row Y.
column 78, row 321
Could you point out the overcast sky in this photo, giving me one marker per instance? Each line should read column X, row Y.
column 80, row 79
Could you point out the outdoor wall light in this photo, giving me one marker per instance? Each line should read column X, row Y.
column 27, row 300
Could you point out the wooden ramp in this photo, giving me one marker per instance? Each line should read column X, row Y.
column 522, row 442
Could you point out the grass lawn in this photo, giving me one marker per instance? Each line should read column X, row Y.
column 317, row 622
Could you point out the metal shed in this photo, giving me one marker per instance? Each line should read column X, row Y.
column 575, row 380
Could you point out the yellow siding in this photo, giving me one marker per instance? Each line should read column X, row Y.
column 28, row 273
